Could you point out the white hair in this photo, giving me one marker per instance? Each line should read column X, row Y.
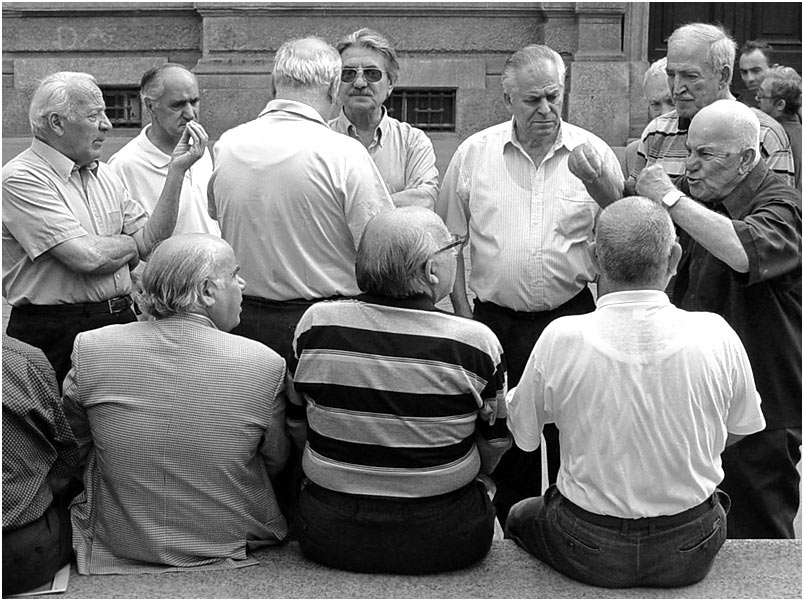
column 59, row 93
column 307, row 64
column 532, row 55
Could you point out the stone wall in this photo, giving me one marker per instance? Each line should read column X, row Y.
column 230, row 46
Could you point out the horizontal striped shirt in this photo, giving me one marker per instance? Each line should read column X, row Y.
column 529, row 227
column 393, row 390
column 664, row 142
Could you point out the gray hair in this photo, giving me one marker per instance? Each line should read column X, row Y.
column 656, row 69
column 722, row 49
column 368, row 38
column 152, row 84
column 59, row 93
column 307, row 64
column 393, row 249
column 177, row 269
column 785, row 84
column 633, row 240
column 532, row 55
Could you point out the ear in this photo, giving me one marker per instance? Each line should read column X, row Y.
column 207, row 293
column 780, row 104
column 149, row 106
column 593, row 256
column 429, row 272
column 725, row 77
column 56, row 123
column 675, row 257
column 507, row 101
column 747, row 157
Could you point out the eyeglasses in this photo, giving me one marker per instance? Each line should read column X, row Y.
column 759, row 97
column 371, row 74
column 457, row 241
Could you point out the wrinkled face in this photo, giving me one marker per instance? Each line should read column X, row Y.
column 361, row 95
column 692, row 81
column 713, row 161
column 535, row 98
column 766, row 101
column 660, row 100
column 83, row 134
column 752, row 69
column 227, row 290
column 178, row 104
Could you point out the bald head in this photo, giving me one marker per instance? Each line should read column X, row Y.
column 633, row 242
column 394, row 248
column 727, row 122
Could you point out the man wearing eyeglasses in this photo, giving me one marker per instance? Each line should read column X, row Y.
column 403, row 154
column 529, row 222
column 779, row 96
column 740, row 227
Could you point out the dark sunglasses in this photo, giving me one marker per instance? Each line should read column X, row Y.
column 371, row 74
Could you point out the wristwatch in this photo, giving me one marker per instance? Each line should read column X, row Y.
column 671, row 198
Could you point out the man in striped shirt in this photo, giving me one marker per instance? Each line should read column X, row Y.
column 404, row 408
column 529, row 222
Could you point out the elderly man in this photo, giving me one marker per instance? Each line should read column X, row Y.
column 646, row 397
column 177, row 414
column 741, row 232
column 779, row 96
column 529, row 222
column 405, row 406
column 403, row 154
column 755, row 59
column 292, row 196
column 659, row 99
column 40, row 461
column 169, row 94
column 71, row 232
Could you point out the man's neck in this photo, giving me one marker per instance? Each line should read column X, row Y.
column 320, row 103
column 364, row 122
column 536, row 147
column 161, row 139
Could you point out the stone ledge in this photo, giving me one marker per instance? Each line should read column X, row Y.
column 742, row 569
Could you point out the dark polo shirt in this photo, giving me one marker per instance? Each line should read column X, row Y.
column 764, row 305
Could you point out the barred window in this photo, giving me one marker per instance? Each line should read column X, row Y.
column 123, row 106
column 427, row 109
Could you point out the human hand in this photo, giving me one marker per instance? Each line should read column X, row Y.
column 585, row 163
column 488, row 413
column 653, row 182
column 190, row 147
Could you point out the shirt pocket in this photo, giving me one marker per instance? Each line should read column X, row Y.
column 575, row 214
column 112, row 223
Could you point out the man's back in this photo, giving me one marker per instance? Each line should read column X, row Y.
column 186, row 434
column 294, row 195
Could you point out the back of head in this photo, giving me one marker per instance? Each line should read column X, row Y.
column 722, row 49
column 534, row 55
column 306, row 65
column 394, row 247
column 785, row 84
column 173, row 279
column 634, row 237
column 152, row 84
column 730, row 121
column 373, row 40
column 59, row 93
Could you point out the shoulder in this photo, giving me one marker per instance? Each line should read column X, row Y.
column 18, row 355
column 22, row 165
column 663, row 124
column 132, row 149
column 490, row 138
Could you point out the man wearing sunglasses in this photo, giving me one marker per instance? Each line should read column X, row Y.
column 403, row 154
column 529, row 222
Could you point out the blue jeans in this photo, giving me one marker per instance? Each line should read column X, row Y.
column 604, row 551
column 363, row 533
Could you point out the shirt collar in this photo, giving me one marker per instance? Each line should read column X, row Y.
column 654, row 297
column 195, row 317
column 61, row 164
column 565, row 138
column 344, row 126
column 738, row 203
column 421, row 302
column 156, row 157
column 292, row 106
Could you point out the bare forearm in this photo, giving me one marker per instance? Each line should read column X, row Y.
column 163, row 220
column 458, row 296
column 711, row 230
column 414, row 198
column 93, row 254
column 607, row 188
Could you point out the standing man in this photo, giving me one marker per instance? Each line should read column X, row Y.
column 71, row 232
column 659, row 99
column 529, row 222
column 779, row 96
column 755, row 59
column 292, row 196
column 741, row 233
column 404, row 154
column 169, row 94
column 646, row 397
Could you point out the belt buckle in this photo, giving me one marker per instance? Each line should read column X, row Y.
column 118, row 304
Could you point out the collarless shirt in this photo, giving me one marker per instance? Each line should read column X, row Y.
column 292, row 198
column 529, row 226
column 763, row 305
column 403, row 154
column 644, row 395
column 143, row 168
column 47, row 201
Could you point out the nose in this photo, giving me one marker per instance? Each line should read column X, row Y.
column 104, row 124
column 188, row 112
column 241, row 282
column 543, row 106
column 691, row 163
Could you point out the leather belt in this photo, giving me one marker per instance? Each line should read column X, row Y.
column 111, row 306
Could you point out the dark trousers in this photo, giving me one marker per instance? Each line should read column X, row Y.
column 32, row 554
column 762, row 480
column 53, row 328
column 519, row 473
column 361, row 533
column 663, row 551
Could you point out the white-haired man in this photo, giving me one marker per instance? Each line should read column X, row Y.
column 292, row 196
column 529, row 222
column 71, row 231
column 181, row 424
column 659, row 98
column 646, row 397
column 740, row 228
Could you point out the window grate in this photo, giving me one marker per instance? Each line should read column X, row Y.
column 427, row 109
column 123, row 106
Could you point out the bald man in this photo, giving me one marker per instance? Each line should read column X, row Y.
column 742, row 260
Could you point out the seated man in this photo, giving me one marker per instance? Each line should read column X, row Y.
column 184, row 424
column 40, row 459
column 405, row 406
column 646, row 397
